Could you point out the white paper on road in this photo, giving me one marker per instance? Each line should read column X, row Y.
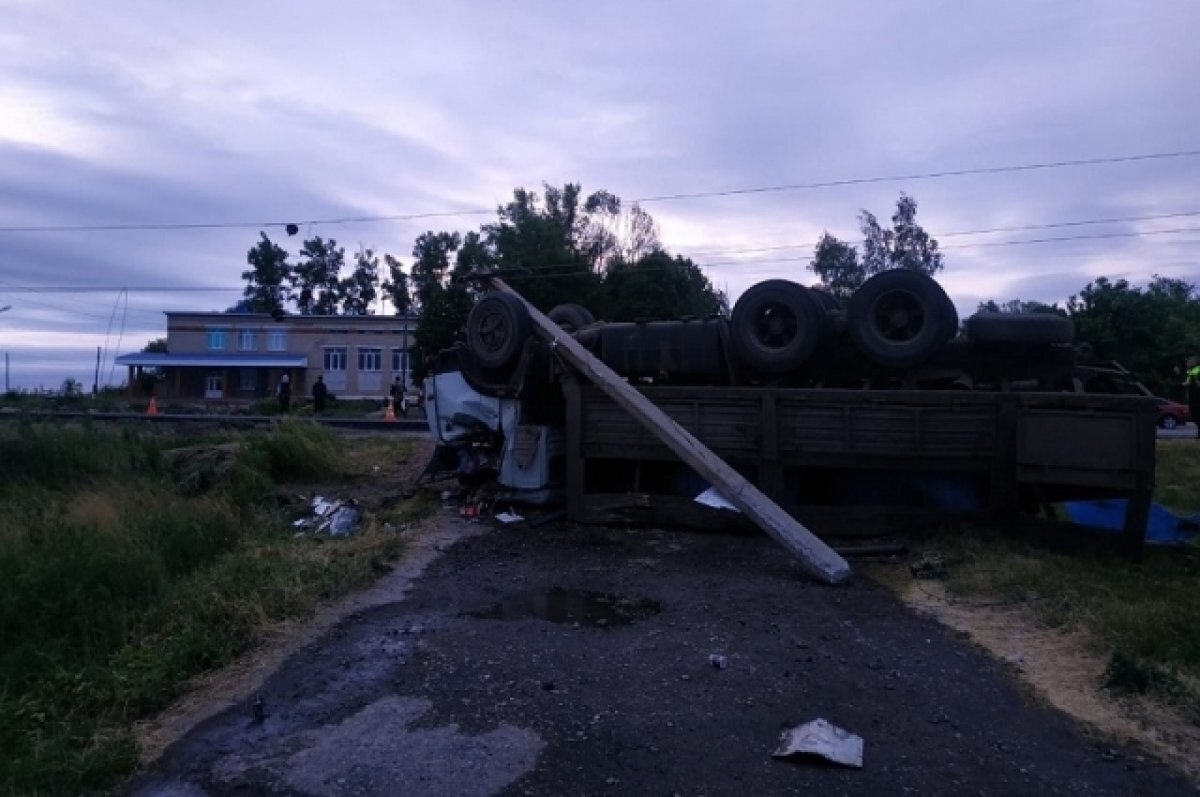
column 822, row 738
column 712, row 497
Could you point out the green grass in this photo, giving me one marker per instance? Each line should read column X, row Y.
column 1143, row 615
column 120, row 585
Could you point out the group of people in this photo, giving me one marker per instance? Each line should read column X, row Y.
column 320, row 395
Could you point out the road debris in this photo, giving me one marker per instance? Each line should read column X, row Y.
column 822, row 739
column 719, row 661
column 712, row 497
column 509, row 517
column 337, row 518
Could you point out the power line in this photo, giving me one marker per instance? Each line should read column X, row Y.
column 956, row 233
column 1028, row 167
column 656, row 198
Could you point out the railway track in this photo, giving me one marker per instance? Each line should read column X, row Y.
column 252, row 421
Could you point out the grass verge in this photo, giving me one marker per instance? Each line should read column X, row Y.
column 1141, row 616
column 130, row 567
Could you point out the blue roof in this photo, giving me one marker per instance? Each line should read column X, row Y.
column 246, row 360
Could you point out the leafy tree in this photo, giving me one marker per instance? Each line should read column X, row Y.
column 156, row 346
column 905, row 245
column 658, row 286
column 269, row 270
column 395, row 288
column 431, row 268
column 550, row 249
column 836, row 263
column 1148, row 331
column 1016, row 306
column 358, row 291
column 316, row 279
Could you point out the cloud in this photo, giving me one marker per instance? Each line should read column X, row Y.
column 226, row 111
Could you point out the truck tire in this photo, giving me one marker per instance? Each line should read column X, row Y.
column 571, row 317
column 776, row 326
column 901, row 318
column 827, row 299
column 497, row 329
column 1038, row 328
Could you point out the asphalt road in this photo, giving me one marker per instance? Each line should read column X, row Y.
column 568, row 661
column 1180, row 432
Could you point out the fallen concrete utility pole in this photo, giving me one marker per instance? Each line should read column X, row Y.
column 818, row 558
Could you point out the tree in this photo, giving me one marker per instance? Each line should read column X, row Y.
column 358, row 291
column 1017, row 306
column 1150, row 332
column 395, row 288
column 269, row 270
column 906, row 245
column 835, row 262
column 658, row 286
column 431, row 266
column 316, row 279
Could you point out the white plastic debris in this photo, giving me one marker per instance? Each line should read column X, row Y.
column 509, row 517
column 338, row 518
column 712, row 497
column 824, row 740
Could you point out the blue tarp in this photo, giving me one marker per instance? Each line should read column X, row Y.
column 1163, row 526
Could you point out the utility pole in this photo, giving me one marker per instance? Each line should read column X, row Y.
column 6, row 388
column 96, row 379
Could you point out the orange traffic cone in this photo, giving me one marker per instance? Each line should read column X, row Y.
column 389, row 414
column 153, row 408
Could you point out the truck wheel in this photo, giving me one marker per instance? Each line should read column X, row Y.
column 571, row 317
column 827, row 299
column 1168, row 422
column 900, row 318
column 776, row 326
column 497, row 329
column 1040, row 328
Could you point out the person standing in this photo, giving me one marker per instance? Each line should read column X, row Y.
column 1191, row 380
column 284, row 393
column 399, row 404
column 320, row 393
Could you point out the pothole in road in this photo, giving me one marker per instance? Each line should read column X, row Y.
column 560, row 605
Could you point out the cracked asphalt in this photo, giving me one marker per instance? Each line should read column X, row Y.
column 496, row 674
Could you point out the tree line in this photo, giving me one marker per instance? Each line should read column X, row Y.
column 1150, row 330
column 562, row 246
column 555, row 247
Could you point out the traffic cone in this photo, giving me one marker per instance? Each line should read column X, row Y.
column 389, row 414
column 153, row 408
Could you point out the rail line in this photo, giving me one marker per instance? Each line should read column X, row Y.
column 362, row 424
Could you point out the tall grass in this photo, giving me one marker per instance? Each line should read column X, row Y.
column 117, row 585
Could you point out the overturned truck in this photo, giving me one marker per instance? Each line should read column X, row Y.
column 851, row 415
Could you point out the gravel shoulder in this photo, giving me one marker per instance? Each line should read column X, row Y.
column 463, row 686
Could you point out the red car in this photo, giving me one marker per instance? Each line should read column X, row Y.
column 1172, row 413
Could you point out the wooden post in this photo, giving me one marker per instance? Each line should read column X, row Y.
column 817, row 558
column 1137, row 508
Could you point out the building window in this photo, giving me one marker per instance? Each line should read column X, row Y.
column 400, row 362
column 248, row 380
column 214, row 384
column 246, row 340
column 277, row 340
column 370, row 359
column 216, row 338
column 335, row 358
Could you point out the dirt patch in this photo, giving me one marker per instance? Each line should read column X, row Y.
column 1065, row 667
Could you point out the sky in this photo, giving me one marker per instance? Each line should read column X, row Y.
column 149, row 113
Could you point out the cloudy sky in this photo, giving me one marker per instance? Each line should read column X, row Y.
column 144, row 113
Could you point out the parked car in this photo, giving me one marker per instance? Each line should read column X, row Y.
column 1172, row 413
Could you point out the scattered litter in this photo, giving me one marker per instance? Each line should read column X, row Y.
column 509, row 517
column 822, row 739
column 344, row 519
column 712, row 497
column 339, row 518
column 718, row 660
